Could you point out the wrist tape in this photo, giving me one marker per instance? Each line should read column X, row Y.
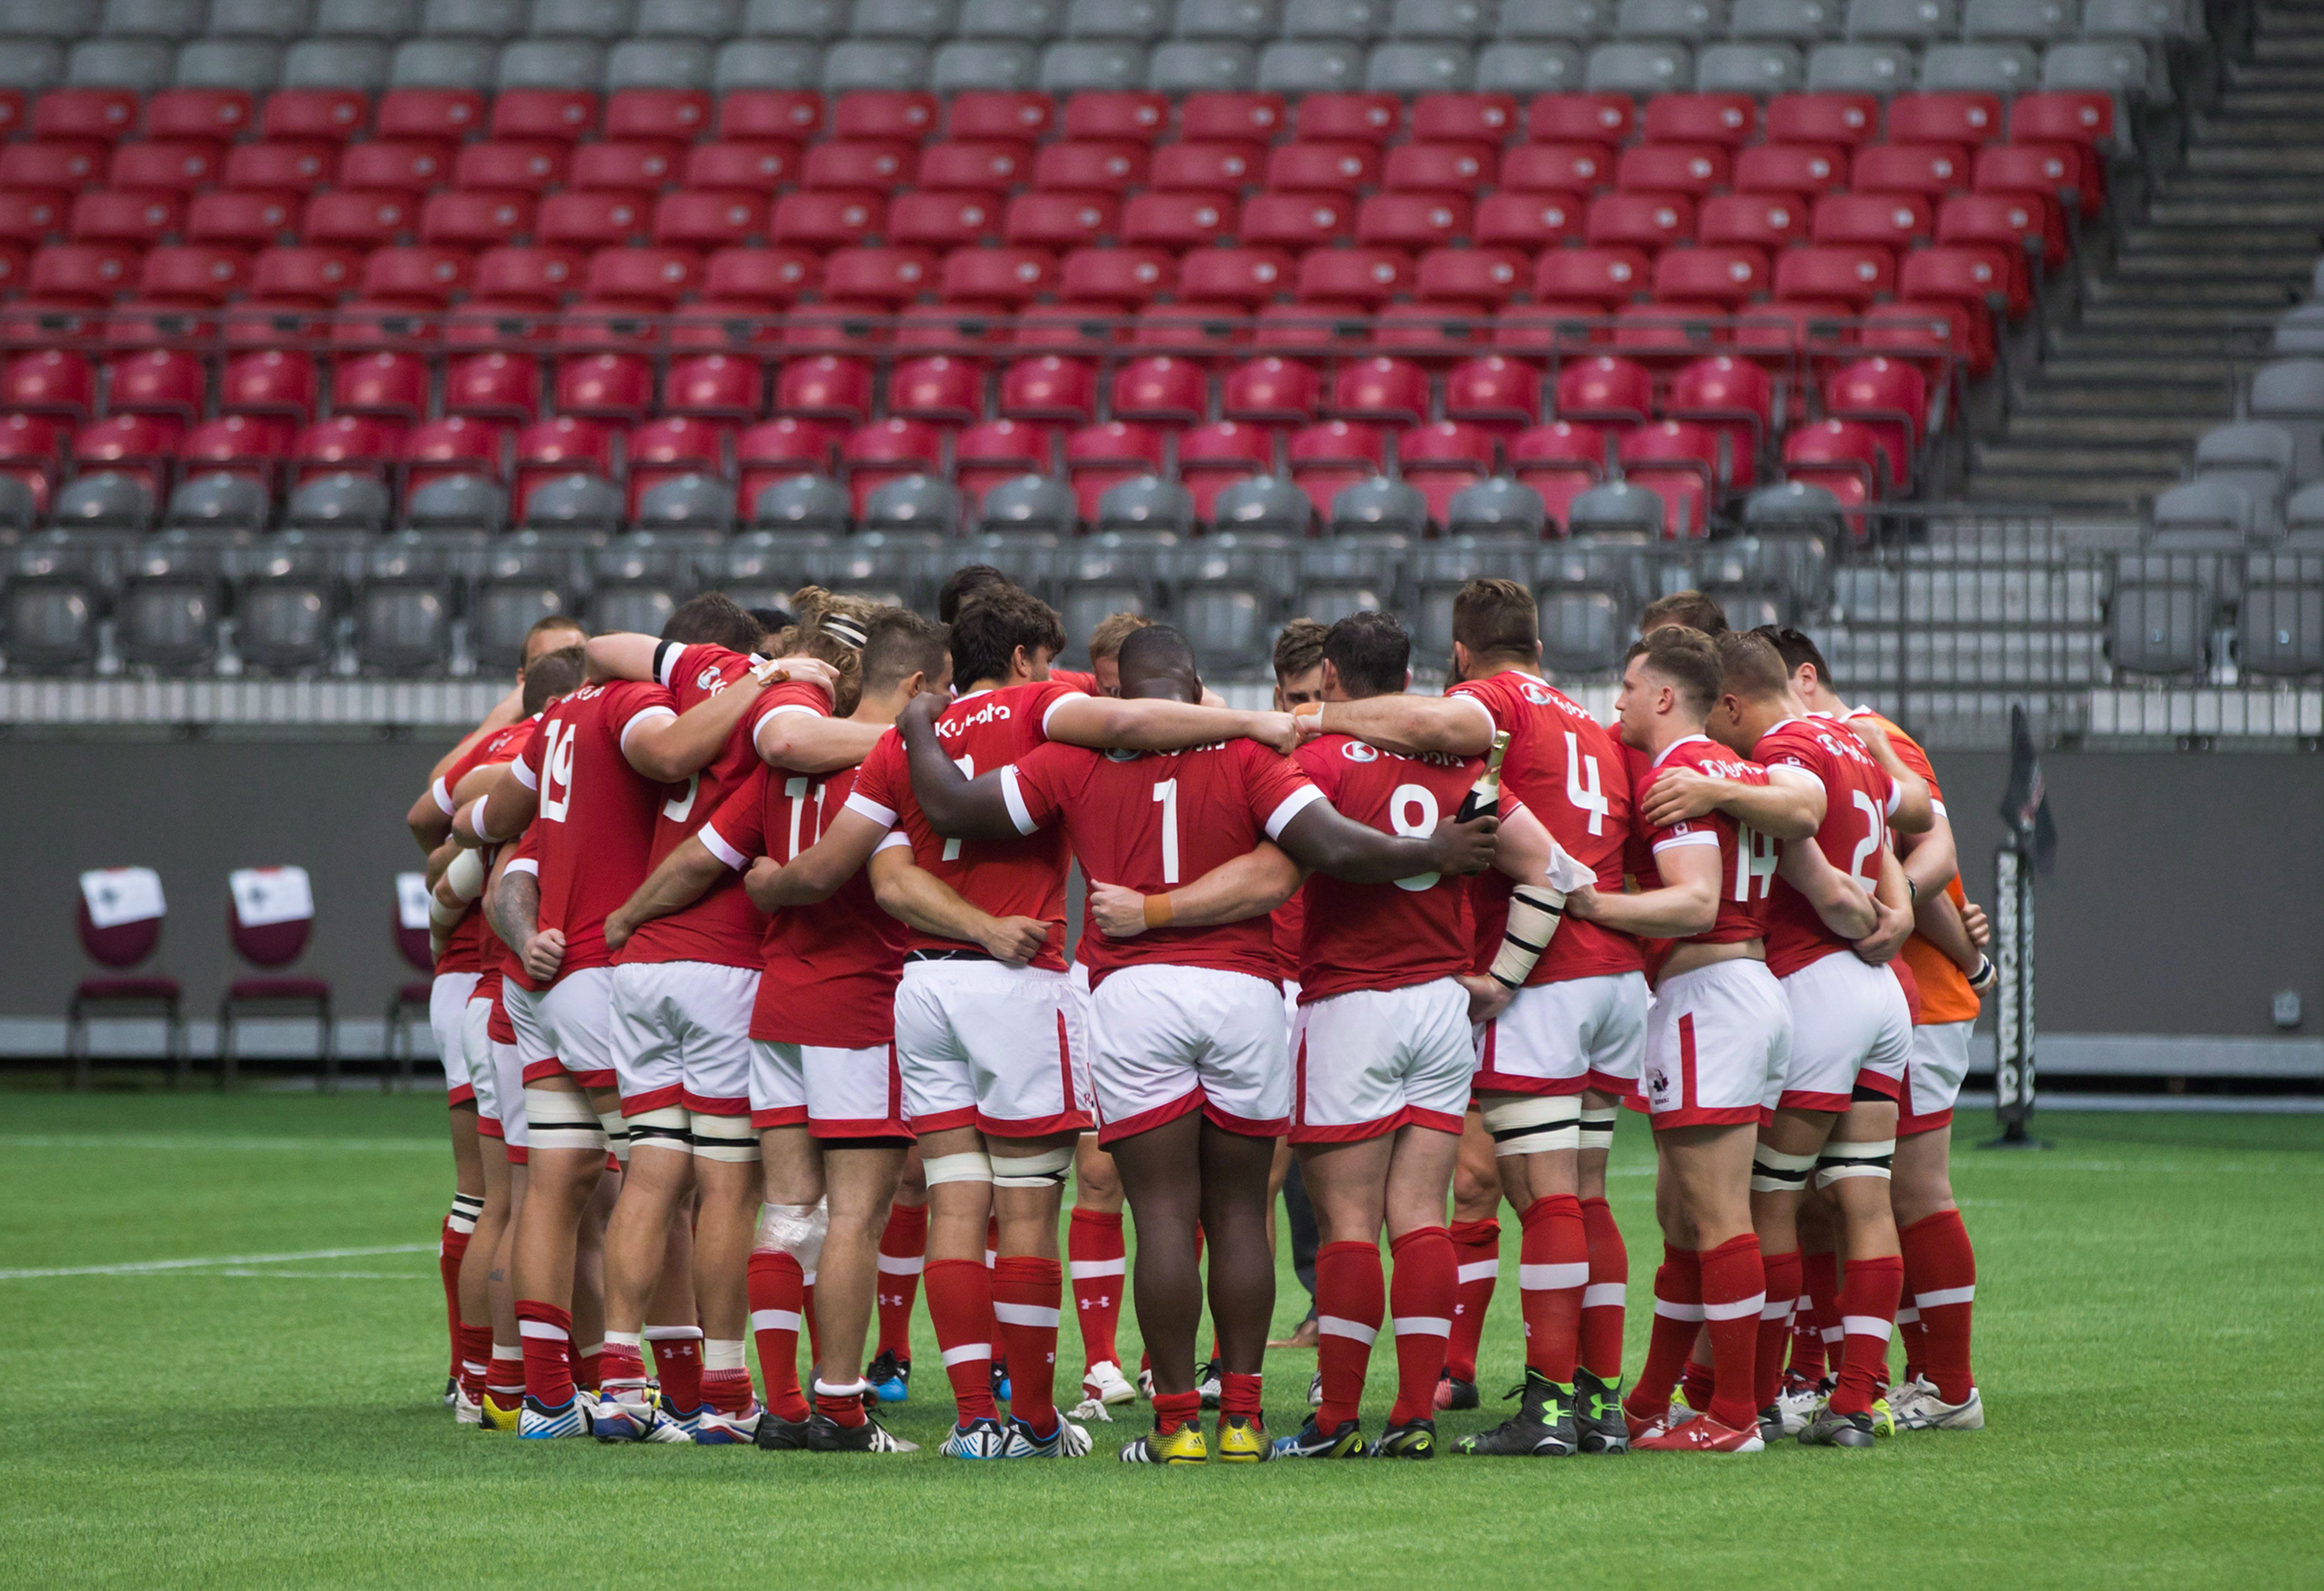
column 1533, row 912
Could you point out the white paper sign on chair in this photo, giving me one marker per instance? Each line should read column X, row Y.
column 263, row 896
column 116, row 895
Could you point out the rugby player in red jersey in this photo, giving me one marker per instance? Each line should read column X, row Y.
column 1189, row 1069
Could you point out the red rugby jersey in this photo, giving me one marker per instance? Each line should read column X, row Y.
column 1747, row 859
column 1385, row 935
column 1859, row 799
column 1153, row 820
column 1564, row 767
column 1025, row 877
column 464, row 947
column 1289, row 922
column 830, row 970
column 596, row 815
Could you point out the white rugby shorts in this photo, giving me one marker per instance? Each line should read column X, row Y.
column 567, row 1028
column 681, row 1036
column 1562, row 1038
column 1850, row 1027
column 989, row 1046
column 448, row 1002
column 1718, row 1039
column 1932, row 1078
column 508, row 1075
column 1370, row 1060
column 1165, row 1041
column 834, row 1093
column 477, row 1056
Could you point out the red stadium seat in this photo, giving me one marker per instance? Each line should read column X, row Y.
column 826, row 220
column 2065, row 118
column 1411, row 220
column 1567, row 168
column 1162, row 389
column 1852, row 275
column 888, row 277
column 1012, row 116
column 1330, row 456
column 458, row 445
column 359, row 219
column 606, row 386
column 385, row 385
column 164, row 166
column 493, row 386
column 1767, row 222
column 974, row 167
column 1886, row 220
column 1206, row 167
column 887, row 450
column 411, row 167
column 635, row 167
column 1479, row 118
column 12, row 111
column 1734, row 399
column 1890, row 399
column 284, row 168
column 1678, row 462
column 765, row 279
column 1270, row 391
column 1480, row 276
column 826, row 387
column 1048, row 387
column 1295, row 221
column 476, row 220
column 1971, row 119
column 52, row 382
column 1177, row 222
column 557, row 115
column 1213, row 457
column 1646, row 221
column 274, row 383
column 2072, row 173
column 1727, row 120
column 943, row 221
column 561, row 447
column 1844, row 119
column 540, row 276
column 2031, row 222
column 906, row 114
column 192, row 274
column 1256, row 118
column 1361, row 276
column 1844, row 458
column 590, row 220
column 676, row 444
column 304, row 277
column 1071, row 167
column 714, row 386
column 1561, row 460
column 425, row 276
column 778, row 450
column 142, row 220
column 1358, row 118
column 1694, row 170
column 32, row 450
column 1383, row 391
column 1005, row 278
column 64, row 166
column 1132, row 116
column 1527, row 223
column 1723, row 274
column 1791, row 170
column 871, row 167
column 1235, row 276
column 709, row 220
column 1600, row 276
column 529, row 166
column 1931, row 171
column 104, row 115
column 1586, row 118
column 1342, row 167
column 1494, row 391
column 82, row 275
column 252, row 446
column 761, row 164
column 1451, row 169
column 327, row 115
column 771, row 112
column 1100, row 457
column 140, row 446
column 447, row 116
column 1606, row 390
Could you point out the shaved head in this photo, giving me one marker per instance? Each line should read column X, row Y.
column 1158, row 663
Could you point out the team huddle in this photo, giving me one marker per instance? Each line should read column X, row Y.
column 759, row 1015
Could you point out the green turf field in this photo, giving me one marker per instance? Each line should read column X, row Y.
column 2148, row 1316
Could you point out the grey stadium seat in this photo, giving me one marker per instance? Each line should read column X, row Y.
column 343, row 501
column 2291, row 394
column 1499, row 507
column 689, row 503
column 1689, row 22
column 1361, row 21
column 1861, row 69
column 1748, row 68
column 641, row 607
column 175, row 20
column 768, row 63
column 2113, row 66
column 2160, row 627
column 1418, row 69
column 1978, row 69
column 444, row 63
column 363, row 19
column 1314, row 67
column 1465, row 21
column 1379, row 507
column 605, row 20
column 18, row 511
column 2217, row 508
column 874, row 63
column 803, row 505
column 41, row 19
column 916, row 503
column 473, row 19
column 706, row 19
column 1579, row 21
column 2159, row 21
column 1584, row 628
column 823, row 20
column 2304, row 518
column 1188, row 66
column 1238, row 22
column 52, row 625
column 1616, row 508
column 2042, row 22
column 1802, row 22
column 661, row 63
column 142, row 64
column 504, row 611
column 1513, row 68
column 1264, row 504
column 970, row 64
column 924, row 21
column 1639, row 69
column 574, row 502
column 250, row 64
column 218, row 502
column 550, row 63
column 1074, row 65
column 103, row 501
column 1140, row 21
column 1146, row 506
column 1909, row 22
column 1029, row 504
column 1011, row 21
column 457, row 502
column 286, row 625
column 2282, row 616
column 261, row 19
column 336, row 63
column 31, row 63
column 168, row 624
column 402, row 627
column 2299, row 331
column 2257, row 455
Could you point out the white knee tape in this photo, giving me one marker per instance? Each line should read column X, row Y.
column 617, row 1133
column 975, row 1166
column 1597, row 1126
column 795, row 1230
column 1855, row 1160
column 667, row 1127
column 1773, row 1171
column 1535, row 1124
column 1045, row 1170
column 555, row 1119
column 723, row 1137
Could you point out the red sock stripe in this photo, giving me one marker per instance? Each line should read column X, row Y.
column 1420, row 1302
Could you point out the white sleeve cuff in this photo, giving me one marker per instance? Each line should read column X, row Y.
column 1795, row 774
column 859, row 802
column 1052, row 713
column 1896, row 796
column 1481, row 707
column 524, row 773
column 774, row 713
column 643, row 716
column 1018, row 814
column 1298, row 802
column 443, row 794
column 1936, row 806
column 1700, row 837
column 716, row 843
column 895, row 837
column 524, row 864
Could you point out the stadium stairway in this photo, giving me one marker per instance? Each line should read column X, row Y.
column 2227, row 237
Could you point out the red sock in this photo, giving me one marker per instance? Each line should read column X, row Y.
column 504, row 1379
column 960, row 1304
column 1910, row 1334
column 1173, row 1410
column 1734, row 1291
column 451, row 1243
column 548, row 1333
column 1239, row 1393
column 1678, row 1316
column 1819, row 1291
column 1351, row 1299
column 1775, row 1324
column 1420, row 1301
column 727, row 1391
column 1552, row 1269
column 1869, row 1290
column 902, row 1248
column 773, row 1284
column 585, row 1374
column 475, row 1359
column 806, row 1314
column 1944, row 1268
column 1026, row 1296
column 840, row 1408
column 1695, row 1381
column 620, row 1365
column 1094, row 1252
column 1477, row 1259
column 1602, row 1302
column 677, row 1365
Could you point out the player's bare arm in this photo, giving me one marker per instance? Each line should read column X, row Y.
column 430, row 823
column 499, row 812
column 1838, row 898
column 1149, row 724
column 957, row 806
column 1250, row 886
column 685, row 876
column 1789, row 806
column 1914, row 809
column 815, row 874
column 512, row 907
column 1406, row 724
column 1319, row 839
column 1525, row 853
column 1947, row 926
column 916, row 897
column 1931, row 860
column 1686, row 905
column 673, row 749
column 811, row 743
column 1891, row 900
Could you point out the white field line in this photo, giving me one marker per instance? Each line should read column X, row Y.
column 172, row 1143
column 153, row 1267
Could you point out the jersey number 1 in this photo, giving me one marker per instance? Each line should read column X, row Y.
column 1166, row 791
column 967, row 765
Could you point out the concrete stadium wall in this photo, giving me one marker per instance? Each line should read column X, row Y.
column 2190, row 889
